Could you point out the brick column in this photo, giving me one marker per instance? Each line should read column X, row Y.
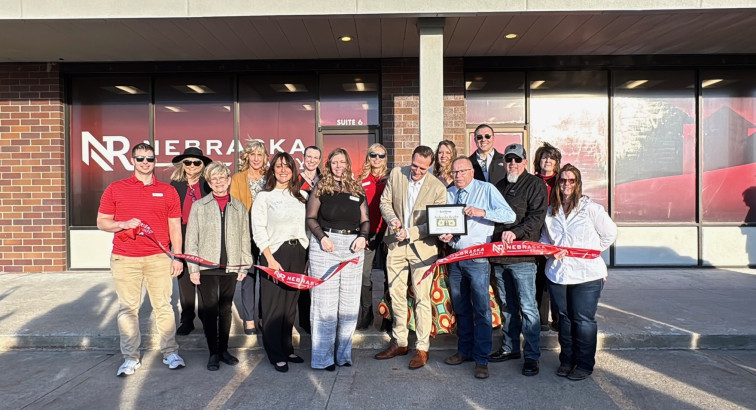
column 400, row 96
column 32, row 169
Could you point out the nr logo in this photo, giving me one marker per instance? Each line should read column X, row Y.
column 105, row 154
column 499, row 248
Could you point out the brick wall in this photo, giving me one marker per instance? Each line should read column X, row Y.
column 32, row 157
column 401, row 106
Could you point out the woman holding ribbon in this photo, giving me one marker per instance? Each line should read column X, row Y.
column 253, row 164
column 374, row 173
column 279, row 230
column 337, row 216
column 575, row 284
column 218, row 233
column 191, row 185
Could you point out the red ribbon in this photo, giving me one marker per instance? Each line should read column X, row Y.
column 516, row 248
column 300, row 281
column 144, row 230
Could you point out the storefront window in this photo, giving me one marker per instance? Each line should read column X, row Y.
column 654, row 146
column 193, row 111
column 349, row 100
column 729, row 146
column 495, row 98
column 280, row 111
column 108, row 117
column 569, row 109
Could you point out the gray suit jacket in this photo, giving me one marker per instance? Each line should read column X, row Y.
column 393, row 204
column 203, row 233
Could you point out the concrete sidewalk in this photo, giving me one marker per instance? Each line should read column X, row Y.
column 639, row 309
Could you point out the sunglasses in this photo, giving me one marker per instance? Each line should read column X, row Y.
column 515, row 159
column 377, row 155
column 190, row 163
column 570, row 181
column 480, row 137
column 141, row 159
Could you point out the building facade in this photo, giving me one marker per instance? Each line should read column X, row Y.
column 656, row 106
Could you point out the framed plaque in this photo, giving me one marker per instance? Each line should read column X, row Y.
column 443, row 219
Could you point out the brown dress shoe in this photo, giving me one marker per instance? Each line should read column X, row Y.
column 421, row 357
column 456, row 359
column 481, row 371
column 392, row 351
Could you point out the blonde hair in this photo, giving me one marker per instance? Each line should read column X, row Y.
column 329, row 185
column 445, row 172
column 249, row 147
column 216, row 168
column 367, row 169
column 179, row 173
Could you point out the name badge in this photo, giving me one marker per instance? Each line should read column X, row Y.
column 159, row 194
column 366, row 183
column 354, row 198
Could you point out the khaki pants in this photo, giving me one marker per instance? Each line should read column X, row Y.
column 129, row 273
column 402, row 262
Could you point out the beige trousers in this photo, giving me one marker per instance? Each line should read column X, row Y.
column 129, row 273
column 403, row 264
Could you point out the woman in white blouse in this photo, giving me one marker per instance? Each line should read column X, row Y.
column 278, row 226
column 575, row 284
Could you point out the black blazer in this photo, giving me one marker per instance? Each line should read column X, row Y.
column 496, row 171
column 182, row 187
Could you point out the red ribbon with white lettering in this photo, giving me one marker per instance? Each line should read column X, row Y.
column 144, row 230
column 516, row 248
column 300, row 281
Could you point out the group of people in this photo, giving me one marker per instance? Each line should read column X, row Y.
column 333, row 226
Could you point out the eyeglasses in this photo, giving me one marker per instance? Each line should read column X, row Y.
column 461, row 171
column 510, row 159
column 216, row 180
column 141, row 159
column 377, row 155
column 570, row 181
column 480, row 136
column 190, row 163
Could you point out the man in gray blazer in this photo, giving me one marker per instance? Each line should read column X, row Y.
column 411, row 250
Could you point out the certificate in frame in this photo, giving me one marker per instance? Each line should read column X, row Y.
column 447, row 219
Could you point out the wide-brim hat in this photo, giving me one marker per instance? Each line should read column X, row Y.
column 192, row 152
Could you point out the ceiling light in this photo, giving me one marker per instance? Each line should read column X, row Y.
column 511, row 36
column 345, row 39
column 365, row 107
column 174, row 109
column 199, row 89
column 307, row 107
column 633, row 84
column 713, row 81
column 474, row 85
column 288, row 88
column 360, row 86
column 536, row 84
column 227, row 108
column 129, row 89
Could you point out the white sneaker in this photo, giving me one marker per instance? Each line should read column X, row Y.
column 128, row 367
column 174, row 361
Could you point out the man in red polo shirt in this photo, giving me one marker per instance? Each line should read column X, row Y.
column 125, row 205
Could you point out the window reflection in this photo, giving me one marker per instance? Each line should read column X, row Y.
column 495, row 98
column 729, row 146
column 349, row 100
column 654, row 146
column 280, row 111
column 569, row 109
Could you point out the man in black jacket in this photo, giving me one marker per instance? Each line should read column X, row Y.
column 515, row 276
column 493, row 167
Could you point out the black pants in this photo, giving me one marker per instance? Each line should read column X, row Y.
column 216, row 293
column 187, row 291
column 248, row 290
column 279, row 302
column 542, row 294
column 303, row 304
column 374, row 249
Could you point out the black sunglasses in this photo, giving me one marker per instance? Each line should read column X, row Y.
column 377, row 155
column 195, row 163
column 480, row 136
column 515, row 159
column 141, row 159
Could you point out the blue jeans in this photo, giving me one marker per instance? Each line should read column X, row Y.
column 516, row 285
column 577, row 306
column 469, row 281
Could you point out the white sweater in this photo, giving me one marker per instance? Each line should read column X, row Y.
column 278, row 217
column 588, row 227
